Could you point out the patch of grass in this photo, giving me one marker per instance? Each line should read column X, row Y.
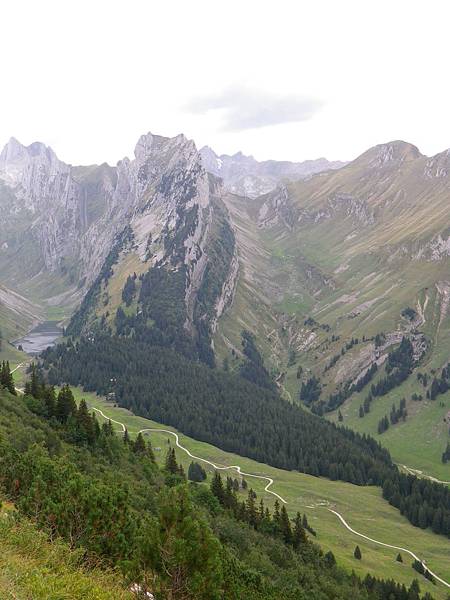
column 57, row 313
column 417, row 442
column 128, row 264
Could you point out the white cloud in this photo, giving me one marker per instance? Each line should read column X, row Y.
column 244, row 108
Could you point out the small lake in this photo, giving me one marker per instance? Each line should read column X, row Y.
column 41, row 337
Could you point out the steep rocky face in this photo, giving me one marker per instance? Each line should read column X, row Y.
column 17, row 314
column 245, row 176
column 81, row 225
column 35, row 172
column 47, row 212
column 153, row 194
column 71, row 215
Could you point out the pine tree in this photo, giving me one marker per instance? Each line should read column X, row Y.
column 261, row 511
column 6, row 378
column 85, row 423
column 414, row 590
column 171, row 462
column 108, row 428
column 35, row 387
column 96, row 424
column 285, row 526
column 399, row 558
column 230, row 499
column 217, row 487
column 150, row 453
column 251, row 509
column 241, row 512
column 357, row 553
column 50, row 401
column 139, row 444
column 196, row 472
column 276, row 515
column 299, row 535
column 65, row 405
column 126, row 438
column 10, row 381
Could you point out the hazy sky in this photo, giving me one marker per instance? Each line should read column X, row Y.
column 276, row 79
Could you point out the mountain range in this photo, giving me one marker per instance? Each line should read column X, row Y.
column 328, row 265
column 245, row 176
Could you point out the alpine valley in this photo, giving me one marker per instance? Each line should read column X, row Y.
column 291, row 316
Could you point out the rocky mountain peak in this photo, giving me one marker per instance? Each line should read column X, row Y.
column 14, row 151
column 158, row 149
column 389, row 154
column 11, row 151
column 20, row 164
column 210, row 160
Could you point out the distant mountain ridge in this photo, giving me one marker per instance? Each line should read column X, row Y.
column 245, row 176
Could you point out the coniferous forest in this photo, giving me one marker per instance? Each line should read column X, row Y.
column 229, row 411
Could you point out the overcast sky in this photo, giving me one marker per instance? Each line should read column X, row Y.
column 277, row 79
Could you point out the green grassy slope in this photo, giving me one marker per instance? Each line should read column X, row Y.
column 32, row 567
column 417, row 442
column 362, row 507
column 337, row 257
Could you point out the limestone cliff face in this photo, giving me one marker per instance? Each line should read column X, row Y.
column 70, row 217
column 51, row 199
column 153, row 195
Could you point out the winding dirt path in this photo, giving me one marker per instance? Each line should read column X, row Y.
column 419, row 473
column 347, row 526
column 208, row 462
column 109, row 419
column 222, row 467
column 270, row 483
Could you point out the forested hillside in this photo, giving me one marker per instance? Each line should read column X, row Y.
column 226, row 410
column 77, row 481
